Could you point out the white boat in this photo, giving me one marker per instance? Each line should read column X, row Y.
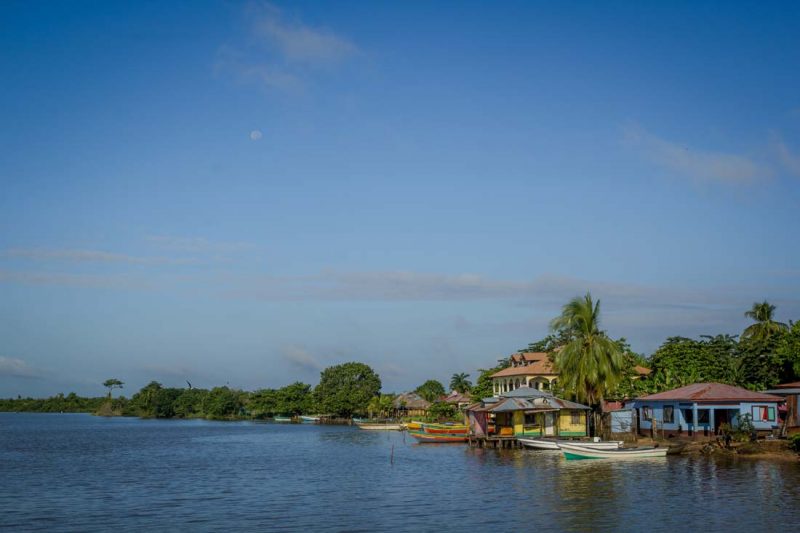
column 554, row 444
column 379, row 426
column 574, row 451
column 309, row 419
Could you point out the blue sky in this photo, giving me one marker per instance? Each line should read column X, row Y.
column 245, row 193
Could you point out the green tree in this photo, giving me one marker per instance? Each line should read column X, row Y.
column 765, row 326
column 143, row 402
column 189, row 404
column 347, row 389
column 461, row 383
column 222, row 402
column 441, row 411
column 381, row 406
column 788, row 350
column 295, row 399
column 483, row 387
column 591, row 364
column 112, row 384
column 264, row 403
column 431, row 390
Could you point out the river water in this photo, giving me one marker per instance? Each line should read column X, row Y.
column 66, row 472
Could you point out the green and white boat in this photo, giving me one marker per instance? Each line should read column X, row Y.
column 574, row 451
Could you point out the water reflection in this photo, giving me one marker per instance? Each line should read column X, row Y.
column 89, row 474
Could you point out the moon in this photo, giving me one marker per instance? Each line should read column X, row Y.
column 256, row 135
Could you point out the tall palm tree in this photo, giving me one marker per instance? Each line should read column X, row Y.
column 460, row 382
column 764, row 327
column 590, row 364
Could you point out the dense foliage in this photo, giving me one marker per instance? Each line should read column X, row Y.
column 71, row 403
column 441, row 411
column 431, row 390
column 347, row 389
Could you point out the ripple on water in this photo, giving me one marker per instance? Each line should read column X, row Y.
column 92, row 474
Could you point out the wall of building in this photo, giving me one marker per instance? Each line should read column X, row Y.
column 566, row 428
column 682, row 417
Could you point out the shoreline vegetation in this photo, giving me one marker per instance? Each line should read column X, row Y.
column 593, row 368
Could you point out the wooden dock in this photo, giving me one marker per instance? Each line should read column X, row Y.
column 493, row 442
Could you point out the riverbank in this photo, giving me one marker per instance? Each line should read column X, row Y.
column 772, row 449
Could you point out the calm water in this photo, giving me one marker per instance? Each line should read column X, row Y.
column 84, row 473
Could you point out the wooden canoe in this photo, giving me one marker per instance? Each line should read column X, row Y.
column 380, row 426
column 437, row 438
column 443, row 429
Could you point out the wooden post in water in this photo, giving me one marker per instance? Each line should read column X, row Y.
column 391, row 457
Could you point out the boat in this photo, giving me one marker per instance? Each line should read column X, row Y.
column 387, row 426
column 573, row 451
column 282, row 419
column 309, row 419
column 554, row 444
column 416, row 426
column 445, row 429
column 436, row 437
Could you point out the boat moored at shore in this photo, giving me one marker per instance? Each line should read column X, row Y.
column 555, row 444
column 573, row 451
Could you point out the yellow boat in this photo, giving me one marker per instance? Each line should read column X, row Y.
column 414, row 425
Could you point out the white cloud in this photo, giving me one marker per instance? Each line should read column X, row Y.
column 299, row 43
column 11, row 367
column 198, row 245
column 86, row 281
column 281, row 54
column 788, row 159
column 698, row 164
column 88, row 256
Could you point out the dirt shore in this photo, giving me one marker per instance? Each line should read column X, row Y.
column 774, row 450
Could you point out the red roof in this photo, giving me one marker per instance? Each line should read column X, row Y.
column 793, row 385
column 712, row 392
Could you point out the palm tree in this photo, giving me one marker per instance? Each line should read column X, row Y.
column 764, row 327
column 590, row 364
column 460, row 382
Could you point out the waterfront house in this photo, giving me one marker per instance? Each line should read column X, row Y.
column 457, row 399
column 411, row 404
column 790, row 392
column 534, row 370
column 701, row 408
column 528, row 369
column 528, row 412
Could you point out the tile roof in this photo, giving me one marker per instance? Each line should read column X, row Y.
column 537, row 363
column 711, row 392
column 642, row 371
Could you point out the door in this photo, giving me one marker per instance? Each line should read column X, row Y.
column 549, row 424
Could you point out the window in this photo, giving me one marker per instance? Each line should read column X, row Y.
column 763, row 413
column 702, row 416
column 575, row 417
column 647, row 413
column 530, row 419
column 669, row 414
